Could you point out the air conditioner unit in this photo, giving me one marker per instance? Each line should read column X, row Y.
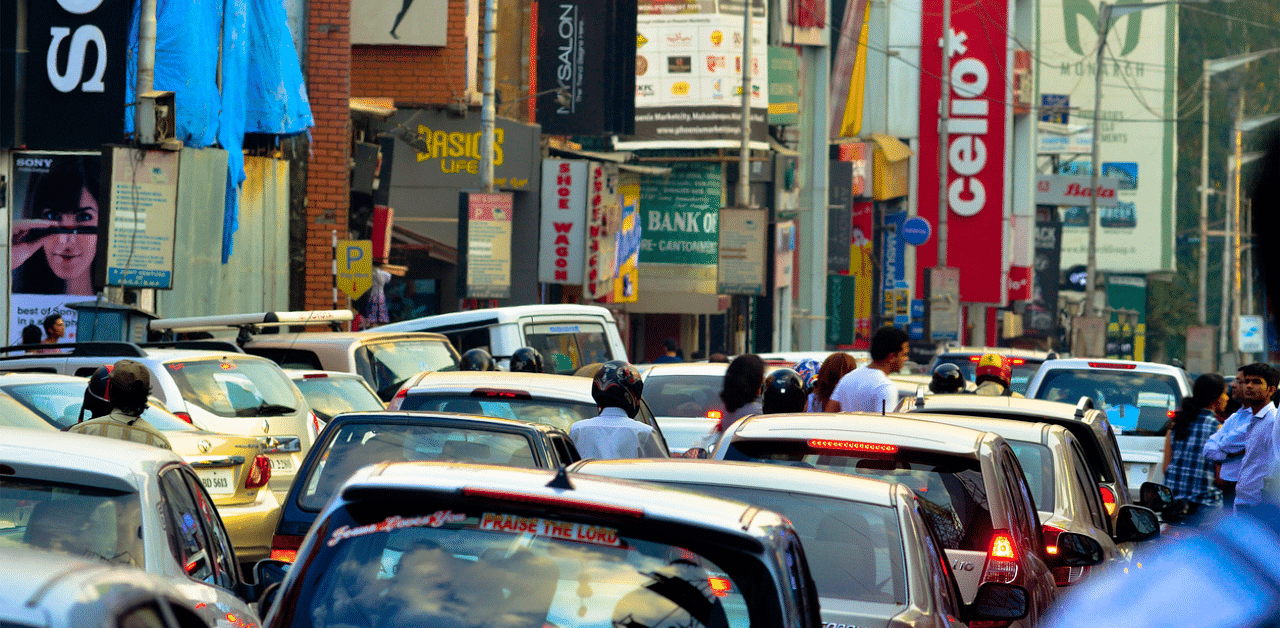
column 157, row 123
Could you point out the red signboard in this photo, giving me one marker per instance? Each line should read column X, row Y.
column 1020, row 283
column 976, row 188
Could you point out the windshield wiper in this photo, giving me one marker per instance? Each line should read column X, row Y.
column 272, row 409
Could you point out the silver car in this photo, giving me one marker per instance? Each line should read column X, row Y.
column 873, row 556
column 685, row 400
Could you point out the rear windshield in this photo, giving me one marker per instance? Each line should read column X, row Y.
column 1037, row 464
column 331, row 396
column 1135, row 402
column 387, row 365
column 683, row 395
column 421, row 564
column 232, row 386
column 60, row 403
column 566, row 347
column 952, row 493
column 561, row 414
column 854, row 549
column 80, row 520
column 355, row 445
column 1023, row 369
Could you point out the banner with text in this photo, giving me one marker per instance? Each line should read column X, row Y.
column 680, row 219
column 564, row 213
column 142, row 211
column 485, row 223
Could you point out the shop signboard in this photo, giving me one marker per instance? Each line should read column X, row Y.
column 403, row 23
column 784, row 86
column 604, row 217
column 743, row 237
column 141, row 212
column 561, row 250
column 784, row 253
column 626, row 284
column 485, row 227
column 1073, row 190
column 680, row 222
column 1042, row 312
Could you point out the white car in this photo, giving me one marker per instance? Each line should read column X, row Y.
column 685, row 400
column 1138, row 397
column 119, row 503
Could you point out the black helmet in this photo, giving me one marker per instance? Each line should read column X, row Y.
column 526, row 360
column 783, row 392
column 947, row 378
column 617, row 385
column 95, row 396
column 477, row 360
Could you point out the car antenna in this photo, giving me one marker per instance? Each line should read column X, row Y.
column 561, row 481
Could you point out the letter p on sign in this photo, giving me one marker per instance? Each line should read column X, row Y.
column 355, row 267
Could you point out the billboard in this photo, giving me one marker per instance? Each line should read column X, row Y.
column 399, row 22
column 586, row 66
column 977, row 169
column 680, row 221
column 1136, row 140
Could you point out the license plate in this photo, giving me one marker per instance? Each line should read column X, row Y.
column 218, row 481
column 281, row 464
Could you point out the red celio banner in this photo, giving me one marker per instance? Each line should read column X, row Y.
column 976, row 179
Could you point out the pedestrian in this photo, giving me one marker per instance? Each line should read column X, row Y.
column 615, row 433
column 869, row 389
column 994, row 376
column 128, row 389
column 833, row 369
column 743, row 381
column 672, row 352
column 1227, row 445
column 54, row 329
column 783, row 392
column 31, row 335
column 1186, row 471
column 1259, row 462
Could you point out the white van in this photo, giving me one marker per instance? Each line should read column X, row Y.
column 568, row 336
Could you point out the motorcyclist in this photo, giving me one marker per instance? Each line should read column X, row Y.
column 477, row 360
column 993, row 376
column 128, row 388
column 526, row 360
column 947, row 379
column 615, row 433
column 783, row 392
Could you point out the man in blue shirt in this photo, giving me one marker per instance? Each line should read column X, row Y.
column 1259, row 462
column 1226, row 446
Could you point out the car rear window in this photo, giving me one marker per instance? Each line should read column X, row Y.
column 566, row 347
column 423, row 565
column 70, row 518
column 683, row 395
column 854, row 549
column 235, row 387
column 1023, row 369
column 60, row 404
column 561, row 414
column 952, row 492
column 387, row 365
column 1136, row 403
column 356, row 445
column 1037, row 464
column 330, row 396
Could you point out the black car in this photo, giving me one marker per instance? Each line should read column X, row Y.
column 358, row 439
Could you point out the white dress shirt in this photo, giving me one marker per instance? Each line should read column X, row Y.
column 614, row 435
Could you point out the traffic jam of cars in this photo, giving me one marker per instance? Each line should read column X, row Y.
column 510, row 468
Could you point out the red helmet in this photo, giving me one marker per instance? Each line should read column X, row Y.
column 995, row 366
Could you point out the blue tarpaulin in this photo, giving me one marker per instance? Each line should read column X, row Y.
column 262, row 91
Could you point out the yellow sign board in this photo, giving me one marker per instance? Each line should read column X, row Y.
column 355, row 266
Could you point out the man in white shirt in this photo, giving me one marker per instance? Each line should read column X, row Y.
column 868, row 388
column 617, row 389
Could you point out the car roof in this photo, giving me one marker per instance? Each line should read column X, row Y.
column 1009, row 429
column 1018, row 406
column 747, row 474
column 340, row 338
column 467, row 421
column 39, row 582
column 28, row 572
column 310, row 373
column 71, row 456
column 795, row 356
column 1084, row 363
column 657, row 503
column 540, row 385
column 685, row 368
column 499, row 314
column 1006, row 351
column 31, row 377
column 904, row 431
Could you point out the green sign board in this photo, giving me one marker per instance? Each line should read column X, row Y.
column 841, row 317
column 784, row 85
column 681, row 215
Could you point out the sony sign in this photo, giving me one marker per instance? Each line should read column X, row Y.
column 76, row 73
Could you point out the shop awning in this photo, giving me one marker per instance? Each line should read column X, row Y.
column 376, row 107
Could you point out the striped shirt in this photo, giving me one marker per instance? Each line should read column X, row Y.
column 1190, row 474
column 123, row 427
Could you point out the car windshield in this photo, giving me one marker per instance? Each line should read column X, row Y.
column 59, row 403
column 565, row 347
column 330, row 396
column 1037, row 464
column 854, row 549
column 683, row 395
column 1135, row 402
column 14, row 414
column 440, row 567
column 1023, row 369
column 231, row 386
column 952, row 493
column 555, row 413
column 355, row 445
column 71, row 518
column 387, row 365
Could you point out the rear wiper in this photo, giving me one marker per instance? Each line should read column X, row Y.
column 272, row 409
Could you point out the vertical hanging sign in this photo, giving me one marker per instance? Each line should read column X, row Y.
column 485, row 229
column 604, row 217
column 564, row 201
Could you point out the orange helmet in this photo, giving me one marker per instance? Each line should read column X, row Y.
column 995, row 366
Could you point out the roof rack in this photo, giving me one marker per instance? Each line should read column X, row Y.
column 1084, row 404
column 95, row 348
column 250, row 324
column 202, row 345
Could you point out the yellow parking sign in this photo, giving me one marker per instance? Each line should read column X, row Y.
column 355, row 266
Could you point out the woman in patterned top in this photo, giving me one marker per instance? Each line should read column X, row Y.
column 1187, row 472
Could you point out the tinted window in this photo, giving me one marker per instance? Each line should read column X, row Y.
column 387, row 365
column 235, row 387
column 565, row 347
column 330, row 396
column 559, row 414
column 683, row 395
column 1084, row 480
column 1135, row 402
column 187, row 537
column 80, row 520
column 950, row 488
column 424, row 565
column 355, row 445
column 1037, row 464
column 288, row 358
column 219, row 543
column 854, row 549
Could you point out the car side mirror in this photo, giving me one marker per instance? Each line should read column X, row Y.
column 268, row 574
column 1077, row 550
column 998, row 602
column 1136, row 523
column 1155, row 496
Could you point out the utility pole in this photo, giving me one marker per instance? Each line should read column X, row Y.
column 1229, row 241
column 1202, row 310
column 1236, row 161
column 486, row 105
column 944, row 133
column 1095, row 167
column 744, row 153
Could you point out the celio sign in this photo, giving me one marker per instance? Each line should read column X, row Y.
column 967, row 153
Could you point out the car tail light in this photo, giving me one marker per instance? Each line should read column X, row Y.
column 316, row 424
column 1112, row 365
column 1051, row 539
column 1171, row 413
column 715, row 414
column 285, row 547
column 547, row 500
column 1002, row 559
column 259, row 472
column 185, row 416
column 398, row 399
column 315, row 375
column 720, row 587
column 1108, row 499
column 848, row 445
column 1017, row 361
column 500, row 393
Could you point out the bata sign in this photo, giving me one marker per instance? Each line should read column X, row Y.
column 562, row 249
column 1072, row 191
column 976, row 148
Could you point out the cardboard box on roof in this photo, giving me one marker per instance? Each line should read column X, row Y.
column 890, row 170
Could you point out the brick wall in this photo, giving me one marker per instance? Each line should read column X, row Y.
column 415, row 74
column 328, row 175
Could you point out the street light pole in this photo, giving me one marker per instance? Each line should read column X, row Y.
column 944, row 134
column 1095, row 167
